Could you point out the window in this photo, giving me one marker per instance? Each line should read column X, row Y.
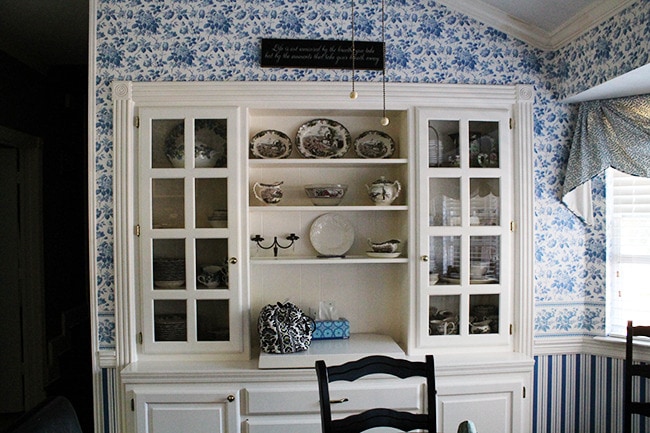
column 628, row 251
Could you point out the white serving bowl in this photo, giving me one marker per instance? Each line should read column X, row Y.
column 329, row 194
column 204, row 155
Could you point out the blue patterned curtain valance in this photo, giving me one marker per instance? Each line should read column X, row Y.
column 609, row 133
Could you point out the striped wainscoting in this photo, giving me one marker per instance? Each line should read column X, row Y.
column 581, row 394
column 109, row 394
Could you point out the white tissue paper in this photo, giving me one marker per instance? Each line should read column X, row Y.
column 327, row 311
column 328, row 324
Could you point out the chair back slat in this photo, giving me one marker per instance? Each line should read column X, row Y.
column 377, row 417
column 377, row 364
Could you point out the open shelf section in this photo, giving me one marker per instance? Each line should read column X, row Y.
column 326, row 208
column 310, row 260
column 331, row 162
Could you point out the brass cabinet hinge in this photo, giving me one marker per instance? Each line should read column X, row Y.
column 136, row 121
column 512, row 123
column 513, row 227
column 132, row 405
column 523, row 392
column 139, row 338
column 510, row 329
column 137, row 230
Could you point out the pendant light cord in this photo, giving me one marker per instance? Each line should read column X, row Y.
column 353, row 93
column 384, row 121
column 383, row 47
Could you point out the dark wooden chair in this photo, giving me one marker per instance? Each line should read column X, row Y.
column 379, row 417
column 54, row 415
column 632, row 369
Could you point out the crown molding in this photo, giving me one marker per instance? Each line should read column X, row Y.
column 580, row 23
column 585, row 20
column 500, row 20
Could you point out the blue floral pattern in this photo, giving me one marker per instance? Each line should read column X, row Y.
column 219, row 40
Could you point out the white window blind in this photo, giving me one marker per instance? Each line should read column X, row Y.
column 628, row 251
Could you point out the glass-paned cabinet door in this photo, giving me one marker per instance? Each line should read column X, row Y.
column 464, row 239
column 188, row 217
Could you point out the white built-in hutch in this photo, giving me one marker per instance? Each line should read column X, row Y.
column 461, row 288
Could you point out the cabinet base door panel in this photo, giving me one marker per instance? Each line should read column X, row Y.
column 183, row 417
column 490, row 413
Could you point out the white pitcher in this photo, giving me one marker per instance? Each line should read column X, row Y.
column 268, row 193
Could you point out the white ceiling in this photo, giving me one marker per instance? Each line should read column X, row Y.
column 546, row 24
column 42, row 33
column 548, row 15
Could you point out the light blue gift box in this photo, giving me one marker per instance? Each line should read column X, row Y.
column 331, row 329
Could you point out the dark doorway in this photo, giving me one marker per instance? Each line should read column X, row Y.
column 51, row 103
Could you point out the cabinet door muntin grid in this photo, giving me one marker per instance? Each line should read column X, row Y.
column 188, row 279
column 464, row 275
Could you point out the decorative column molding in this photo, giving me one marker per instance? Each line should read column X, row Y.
column 524, row 248
column 123, row 188
column 122, row 90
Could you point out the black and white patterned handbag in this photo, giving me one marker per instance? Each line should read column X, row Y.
column 284, row 328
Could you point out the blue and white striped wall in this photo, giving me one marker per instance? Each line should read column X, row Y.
column 581, row 394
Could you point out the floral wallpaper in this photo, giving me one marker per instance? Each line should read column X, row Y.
column 216, row 40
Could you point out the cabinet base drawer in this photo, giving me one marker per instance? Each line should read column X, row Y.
column 399, row 394
column 294, row 424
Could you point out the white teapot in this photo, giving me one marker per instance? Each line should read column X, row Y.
column 383, row 191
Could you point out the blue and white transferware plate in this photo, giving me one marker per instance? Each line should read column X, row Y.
column 374, row 144
column 270, row 144
column 323, row 138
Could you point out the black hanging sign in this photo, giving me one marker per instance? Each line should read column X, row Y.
column 306, row 53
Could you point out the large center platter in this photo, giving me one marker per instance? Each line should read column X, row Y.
column 331, row 235
column 323, row 138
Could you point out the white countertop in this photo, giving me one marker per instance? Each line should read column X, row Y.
column 300, row 366
column 334, row 351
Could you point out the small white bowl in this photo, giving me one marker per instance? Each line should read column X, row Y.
column 478, row 270
column 326, row 194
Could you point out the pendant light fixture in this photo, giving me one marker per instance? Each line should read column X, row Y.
column 353, row 93
column 384, row 120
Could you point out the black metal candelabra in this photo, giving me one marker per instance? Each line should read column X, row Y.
column 275, row 245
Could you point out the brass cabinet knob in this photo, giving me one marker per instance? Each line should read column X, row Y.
column 230, row 398
column 232, row 260
column 425, row 258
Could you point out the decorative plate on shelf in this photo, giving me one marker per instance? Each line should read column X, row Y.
column 323, row 138
column 374, row 144
column 270, row 144
column 210, row 141
column 377, row 255
column 331, row 235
